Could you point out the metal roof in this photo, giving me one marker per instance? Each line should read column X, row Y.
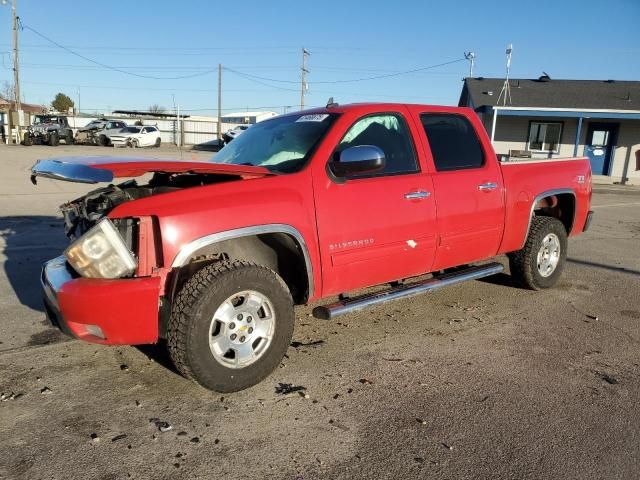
column 616, row 95
column 138, row 113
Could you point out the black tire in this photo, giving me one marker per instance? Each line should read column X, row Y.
column 54, row 141
column 193, row 311
column 103, row 141
column 69, row 140
column 158, row 142
column 524, row 263
column 27, row 140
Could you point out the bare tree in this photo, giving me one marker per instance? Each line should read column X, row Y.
column 155, row 108
column 8, row 91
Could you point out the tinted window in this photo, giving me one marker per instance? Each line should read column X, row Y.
column 389, row 133
column 453, row 141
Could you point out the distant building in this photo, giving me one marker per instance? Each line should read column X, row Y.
column 246, row 118
column 549, row 118
column 8, row 116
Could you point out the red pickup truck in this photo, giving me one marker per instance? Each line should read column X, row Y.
column 213, row 256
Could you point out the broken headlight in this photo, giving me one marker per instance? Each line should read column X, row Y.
column 101, row 253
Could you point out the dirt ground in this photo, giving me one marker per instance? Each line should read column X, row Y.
column 481, row 380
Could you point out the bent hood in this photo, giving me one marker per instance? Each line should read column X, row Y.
column 105, row 169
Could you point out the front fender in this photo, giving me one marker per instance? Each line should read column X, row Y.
column 190, row 218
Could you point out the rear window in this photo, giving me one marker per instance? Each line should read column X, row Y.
column 453, row 141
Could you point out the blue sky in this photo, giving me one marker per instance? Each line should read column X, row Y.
column 587, row 39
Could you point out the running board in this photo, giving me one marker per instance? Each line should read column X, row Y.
column 328, row 312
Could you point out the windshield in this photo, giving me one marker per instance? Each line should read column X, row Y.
column 131, row 130
column 281, row 144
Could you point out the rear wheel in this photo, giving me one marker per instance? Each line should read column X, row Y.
column 27, row 140
column 69, row 140
column 540, row 263
column 158, row 141
column 230, row 325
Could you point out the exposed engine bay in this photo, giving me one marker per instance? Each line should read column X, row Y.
column 83, row 213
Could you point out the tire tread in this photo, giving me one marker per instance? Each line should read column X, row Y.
column 521, row 261
column 186, row 300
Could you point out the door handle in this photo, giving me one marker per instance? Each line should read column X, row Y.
column 487, row 186
column 418, row 194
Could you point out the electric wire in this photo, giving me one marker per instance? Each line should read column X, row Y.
column 109, row 67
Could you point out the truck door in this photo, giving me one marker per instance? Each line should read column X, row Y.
column 468, row 188
column 379, row 227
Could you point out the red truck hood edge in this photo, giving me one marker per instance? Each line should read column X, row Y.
column 105, row 169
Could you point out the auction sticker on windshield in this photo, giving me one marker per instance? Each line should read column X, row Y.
column 317, row 117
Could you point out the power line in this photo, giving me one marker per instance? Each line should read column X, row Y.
column 163, row 49
column 264, row 84
column 116, row 69
column 353, row 80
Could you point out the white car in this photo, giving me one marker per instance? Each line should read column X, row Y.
column 143, row 136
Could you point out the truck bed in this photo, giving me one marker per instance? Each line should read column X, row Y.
column 525, row 180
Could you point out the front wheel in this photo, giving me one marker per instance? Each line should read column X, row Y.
column 230, row 325
column 540, row 263
column 54, row 140
column 28, row 140
column 158, row 142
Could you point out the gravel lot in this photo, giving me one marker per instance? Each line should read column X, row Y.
column 482, row 380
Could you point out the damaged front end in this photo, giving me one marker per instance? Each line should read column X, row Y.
column 85, row 212
column 107, row 287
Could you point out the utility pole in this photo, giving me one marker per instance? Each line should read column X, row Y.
column 303, row 77
column 472, row 61
column 219, row 103
column 16, row 72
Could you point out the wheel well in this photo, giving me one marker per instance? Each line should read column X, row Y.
column 277, row 251
column 561, row 206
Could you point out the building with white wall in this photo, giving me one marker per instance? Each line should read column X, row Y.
column 547, row 118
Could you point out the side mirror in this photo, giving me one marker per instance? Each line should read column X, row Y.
column 359, row 160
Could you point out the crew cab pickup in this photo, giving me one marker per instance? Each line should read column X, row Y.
column 213, row 256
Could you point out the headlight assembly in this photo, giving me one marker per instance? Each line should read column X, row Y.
column 101, row 253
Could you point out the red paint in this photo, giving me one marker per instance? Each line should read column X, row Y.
column 126, row 310
column 134, row 167
column 358, row 233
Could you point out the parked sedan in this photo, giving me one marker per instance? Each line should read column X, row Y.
column 136, row 137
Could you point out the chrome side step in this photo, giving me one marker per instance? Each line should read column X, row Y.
column 328, row 312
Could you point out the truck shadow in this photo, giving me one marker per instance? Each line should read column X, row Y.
column 604, row 266
column 159, row 353
column 27, row 242
column 502, row 279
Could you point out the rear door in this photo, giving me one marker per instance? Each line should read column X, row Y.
column 468, row 187
column 376, row 228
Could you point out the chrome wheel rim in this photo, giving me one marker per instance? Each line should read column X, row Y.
column 242, row 328
column 548, row 255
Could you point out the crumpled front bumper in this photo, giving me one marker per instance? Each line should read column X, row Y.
column 113, row 312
